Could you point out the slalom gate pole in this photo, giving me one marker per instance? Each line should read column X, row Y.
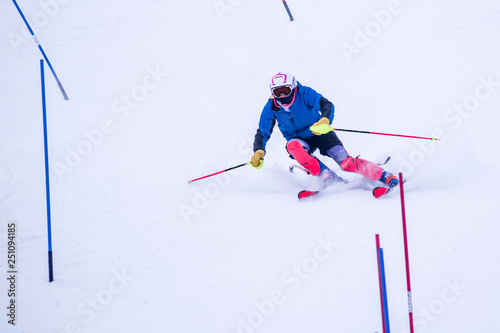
column 219, row 172
column 407, row 261
column 389, row 134
column 41, row 50
column 288, row 10
column 387, row 326
column 47, row 180
column 382, row 309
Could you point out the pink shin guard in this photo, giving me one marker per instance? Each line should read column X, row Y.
column 297, row 150
column 366, row 168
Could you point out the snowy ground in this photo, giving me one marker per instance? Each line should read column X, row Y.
column 166, row 91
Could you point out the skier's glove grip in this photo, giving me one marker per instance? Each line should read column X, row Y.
column 322, row 121
column 258, row 159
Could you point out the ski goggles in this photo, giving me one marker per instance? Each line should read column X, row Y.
column 282, row 91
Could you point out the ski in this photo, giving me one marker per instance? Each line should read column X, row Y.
column 307, row 194
column 380, row 191
column 377, row 192
column 328, row 178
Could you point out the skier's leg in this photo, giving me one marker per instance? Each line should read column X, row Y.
column 369, row 169
column 331, row 146
column 299, row 150
column 354, row 164
column 338, row 153
column 363, row 167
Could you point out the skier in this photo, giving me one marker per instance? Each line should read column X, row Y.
column 298, row 109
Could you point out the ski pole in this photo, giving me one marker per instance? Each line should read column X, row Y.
column 288, row 10
column 219, row 172
column 325, row 128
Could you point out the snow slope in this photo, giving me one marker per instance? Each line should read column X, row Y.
column 166, row 91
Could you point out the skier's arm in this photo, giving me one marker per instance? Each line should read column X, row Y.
column 327, row 109
column 258, row 141
column 259, row 144
column 266, row 125
column 317, row 102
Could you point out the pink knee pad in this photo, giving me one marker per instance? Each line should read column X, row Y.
column 366, row 168
column 297, row 150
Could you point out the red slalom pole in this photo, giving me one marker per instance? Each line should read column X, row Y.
column 389, row 134
column 219, row 172
column 377, row 242
column 407, row 261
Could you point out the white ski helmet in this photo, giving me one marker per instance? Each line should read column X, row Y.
column 282, row 85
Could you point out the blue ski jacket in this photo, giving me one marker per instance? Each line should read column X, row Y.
column 294, row 121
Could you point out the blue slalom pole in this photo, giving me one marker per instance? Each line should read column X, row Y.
column 47, row 180
column 41, row 50
column 288, row 10
column 384, row 291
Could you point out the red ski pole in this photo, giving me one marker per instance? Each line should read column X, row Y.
column 407, row 261
column 325, row 128
column 219, row 172
column 389, row 134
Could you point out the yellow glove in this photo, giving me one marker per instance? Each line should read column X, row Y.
column 258, row 159
column 322, row 121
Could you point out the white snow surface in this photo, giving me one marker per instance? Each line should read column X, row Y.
column 161, row 92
